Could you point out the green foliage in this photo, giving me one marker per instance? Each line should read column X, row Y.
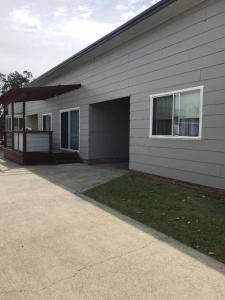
column 11, row 81
column 14, row 80
column 194, row 217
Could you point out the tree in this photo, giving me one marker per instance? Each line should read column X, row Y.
column 11, row 81
column 14, row 80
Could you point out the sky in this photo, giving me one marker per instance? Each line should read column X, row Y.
column 37, row 35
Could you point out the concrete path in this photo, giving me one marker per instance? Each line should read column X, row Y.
column 56, row 245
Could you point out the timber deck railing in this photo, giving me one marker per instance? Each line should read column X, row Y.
column 29, row 141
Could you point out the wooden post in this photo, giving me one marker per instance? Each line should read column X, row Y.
column 12, row 116
column 24, row 128
column 5, row 135
column 4, row 116
column 5, row 139
column 50, row 141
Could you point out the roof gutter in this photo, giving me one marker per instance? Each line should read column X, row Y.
column 142, row 16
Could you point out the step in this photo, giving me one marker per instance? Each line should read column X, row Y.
column 66, row 157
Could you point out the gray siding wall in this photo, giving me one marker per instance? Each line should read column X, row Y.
column 186, row 51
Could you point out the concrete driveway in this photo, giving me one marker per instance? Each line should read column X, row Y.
column 56, row 245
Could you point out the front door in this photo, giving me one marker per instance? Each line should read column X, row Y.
column 70, row 127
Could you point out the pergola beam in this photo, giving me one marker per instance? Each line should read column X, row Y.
column 36, row 93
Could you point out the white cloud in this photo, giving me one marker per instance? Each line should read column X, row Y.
column 151, row 2
column 23, row 17
column 142, row 8
column 132, row 9
column 129, row 14
column 122, row 7
column 125, row 16
column 84, row 11
column 32, row 29
column 83, row 30
column 154, row 2
column 60, row 12
column 76, row 26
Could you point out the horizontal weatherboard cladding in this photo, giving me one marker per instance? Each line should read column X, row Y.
column 186, row 51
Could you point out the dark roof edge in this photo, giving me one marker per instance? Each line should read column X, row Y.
column 142, row 16
column 25, row 94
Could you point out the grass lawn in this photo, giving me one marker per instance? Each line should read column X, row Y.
column 196, row 218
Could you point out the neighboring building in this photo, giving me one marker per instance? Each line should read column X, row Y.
column 152, row 92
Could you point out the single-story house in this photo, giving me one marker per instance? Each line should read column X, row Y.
column 152, row 93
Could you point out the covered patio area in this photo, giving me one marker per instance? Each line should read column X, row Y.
column 24, row 145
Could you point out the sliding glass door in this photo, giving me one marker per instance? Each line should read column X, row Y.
column 74, row 129
column 70, row 127
column 64, row 130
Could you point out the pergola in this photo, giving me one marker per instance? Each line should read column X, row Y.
column 27, row 94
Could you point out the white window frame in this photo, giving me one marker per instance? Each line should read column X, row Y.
column 60, row 112
column 16, row 116
column 172, row 93
column 7, row 118
column 42, row 123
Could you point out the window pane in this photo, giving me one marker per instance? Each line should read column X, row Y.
column 189, row 113
column 44, row 123
column 162, row 115
column 20, row 123
column 16, row 124
column 8, row 124
column 47, row 123
column 176, row 129
column 74, row 130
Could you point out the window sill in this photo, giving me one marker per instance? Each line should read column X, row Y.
column 184, row 138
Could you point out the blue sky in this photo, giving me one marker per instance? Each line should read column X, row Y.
column 37, row 35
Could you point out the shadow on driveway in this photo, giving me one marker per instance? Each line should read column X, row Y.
column 73, row 177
